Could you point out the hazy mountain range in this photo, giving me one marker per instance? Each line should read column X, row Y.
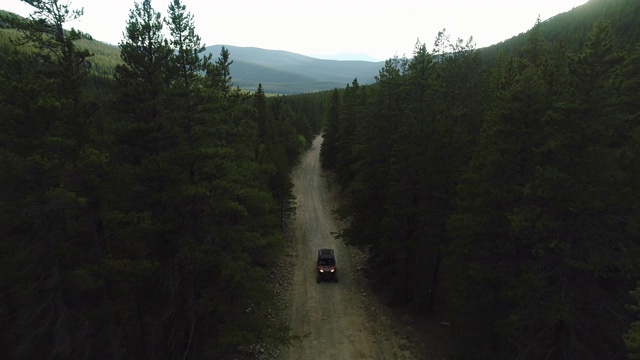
column 280, row 72
column 285, row 72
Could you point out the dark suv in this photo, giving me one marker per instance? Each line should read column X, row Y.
column 326, row 266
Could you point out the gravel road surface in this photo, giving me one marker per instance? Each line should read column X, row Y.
column 330, row 320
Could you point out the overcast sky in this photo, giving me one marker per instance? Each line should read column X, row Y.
column 329, row 28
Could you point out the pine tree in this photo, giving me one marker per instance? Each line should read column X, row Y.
column 143, row 77
column 284, row 156
column 488, row 247
column 349, row 117
column 632, row 337
column 447, row 118
column 49, row 207
column 592, row 246
column 187, row 99
column 375, row 127
column 140, row 220
column 219, row 73
column 330, row 132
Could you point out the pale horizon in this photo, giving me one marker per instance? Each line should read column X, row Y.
column 333, row 30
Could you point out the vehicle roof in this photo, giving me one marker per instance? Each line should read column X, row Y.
column 325, row 254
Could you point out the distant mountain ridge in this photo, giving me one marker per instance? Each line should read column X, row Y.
column 279, row 71
column 284, row 72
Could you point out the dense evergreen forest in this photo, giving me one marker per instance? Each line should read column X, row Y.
column 501, row 192
column 141, row 211
column 143, row 200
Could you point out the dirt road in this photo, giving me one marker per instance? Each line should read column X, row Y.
column 329, row 318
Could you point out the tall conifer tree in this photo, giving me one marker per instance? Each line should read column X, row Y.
column 330, row 132
column 48, row 214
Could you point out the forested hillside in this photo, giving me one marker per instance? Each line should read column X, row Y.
column 279, row 72
column 140, row 212
column 503, row 195
column 574, row 27
column 144, row 198
column 283, row 72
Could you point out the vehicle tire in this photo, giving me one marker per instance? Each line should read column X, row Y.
column 317, row 278
column 335, row 278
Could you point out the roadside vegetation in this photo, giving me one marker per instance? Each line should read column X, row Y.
column 500, row 191
column 142, row 200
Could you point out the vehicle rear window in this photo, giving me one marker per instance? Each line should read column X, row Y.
column 325, row 262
